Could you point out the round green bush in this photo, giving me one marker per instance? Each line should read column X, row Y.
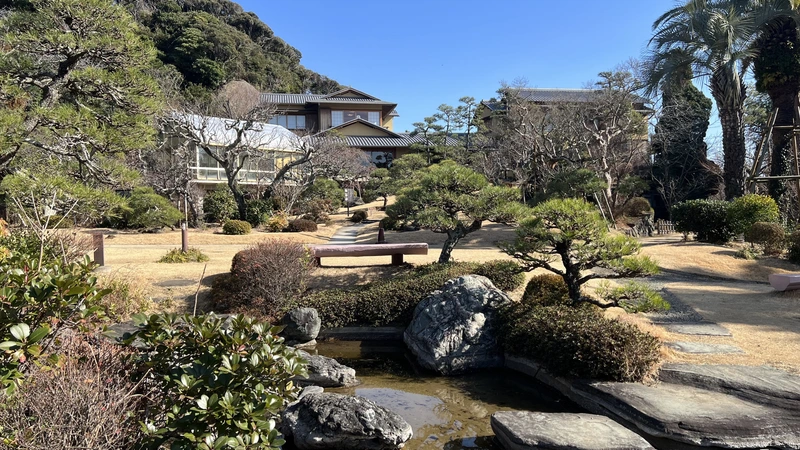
column 276, row 223
column 317, row 210
column 708, row 219
column 388, row 223
column 546, row 290
column 636, row 207
column 258, row 211
column 150, row 210
column 749, row 209
column 505, row 275
column 302, row 225
column 236, row 227
column 358, row 216
column 769, row 235
column 219, row 205
column 326, row 189
column 793, row 242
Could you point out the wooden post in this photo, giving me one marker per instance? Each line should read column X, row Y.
column 397, row 259
column 98, row 241
column 381, row 238
column 184, row 238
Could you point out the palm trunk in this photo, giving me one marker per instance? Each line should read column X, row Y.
column 782, row 98
column 733, row 146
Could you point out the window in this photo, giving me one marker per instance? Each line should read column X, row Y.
column 340, row 117
column 292, row 122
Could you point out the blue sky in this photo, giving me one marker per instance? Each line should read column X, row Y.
column 421, row 54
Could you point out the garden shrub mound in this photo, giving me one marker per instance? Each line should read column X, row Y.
column 392, row 302
column 263, row 278
column 546, row 290
column 358, row 216
column 236, row 227
column 177, row 255
column 793, row 242
column 302, row 225
column 708, row 219
column 771, row 236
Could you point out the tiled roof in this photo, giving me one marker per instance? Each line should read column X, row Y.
column 301, row 99
column 565, row 95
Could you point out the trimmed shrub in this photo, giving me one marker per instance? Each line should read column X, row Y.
column 771, row 236
column 745, row 253
column 546, row 290
column 637, row 206
column 633, row 297
column 358, row 216
column 219, row 205
column 302, row 225
column 389, row 223
column 150, row 210
column 236, row 227
column 505, row 275
column 318, row 210
column 392, row 301
column 749, row 209
column 326, row 189
column 264, row 277
column 258, row 211
column 708, row 219
column 176, row 255
column 276, row 223
column 793, row 243
column 579, row 342
column 220, row 382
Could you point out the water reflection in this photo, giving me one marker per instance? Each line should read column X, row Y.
column 445, row 412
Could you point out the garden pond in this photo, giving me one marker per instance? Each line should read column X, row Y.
column 445, row 412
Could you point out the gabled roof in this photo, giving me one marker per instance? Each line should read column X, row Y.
column 355, row 91
column 363, row 122
column 335, row 97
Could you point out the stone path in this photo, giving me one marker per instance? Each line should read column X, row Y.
column 347, row 235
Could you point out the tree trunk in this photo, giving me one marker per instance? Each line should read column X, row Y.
column 733, row 145
column 452, row 239
column 385, row 200
column 783, row 98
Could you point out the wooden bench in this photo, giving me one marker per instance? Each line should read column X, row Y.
column 785, row 281
column 342, row 251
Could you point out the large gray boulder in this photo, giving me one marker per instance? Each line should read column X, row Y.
column 326, row 372
column 341, row 422
column 524, row 430
column 452, row 329
column 301, row 325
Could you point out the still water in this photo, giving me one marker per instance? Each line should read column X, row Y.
column 445, row 412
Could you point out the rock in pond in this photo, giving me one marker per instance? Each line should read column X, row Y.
column 452, row 332
column 301, row 325
column 341, row 422
column 524, row 430
column 327, row 372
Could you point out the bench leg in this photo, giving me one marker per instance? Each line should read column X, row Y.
column 318, row 261
column 397, row 260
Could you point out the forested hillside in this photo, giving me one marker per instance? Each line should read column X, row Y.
column 211, row 42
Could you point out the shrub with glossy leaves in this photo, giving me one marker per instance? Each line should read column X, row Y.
column 219, row 205
column 222, row 383
column 236, row 227
column 258, row 211
column 771, row 236
column 707, row 219
column 749, row 209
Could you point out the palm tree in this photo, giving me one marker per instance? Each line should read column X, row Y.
column 714, row 38
column 776, row 67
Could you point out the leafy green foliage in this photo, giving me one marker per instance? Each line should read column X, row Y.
column 78, row 86
column 746, row 253
column 211, row 42
column 327, row 190
column 637, row 206
column 176, row 255
column 546, row 290
column 744, row 211
column 633, row 297
column 793, row 242
column 276, row 223
column 358, row 216
column 302, row 225
column 146, row 209
column 380, row 185
column 258, row 211
column 578, row 342
column 392, row 301
column 453, row 199
column 219, row 205
column 37, row 302
column 236, row 227
column 771, row 236
column 577, row 183
column 222, row 383
column 265, row 277
column 708, row 219
column 505, row 275
column 317, row 210
column 573, row 232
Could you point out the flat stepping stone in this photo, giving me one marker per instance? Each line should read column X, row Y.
column 524, row 430
column 698, row 348
column 698, row 329
column 696, row 416
column 177, row 283
column 759, row 384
